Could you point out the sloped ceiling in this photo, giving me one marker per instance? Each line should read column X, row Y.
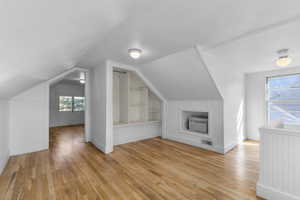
column 258, row 51
column 181, row 76
column 40, row 39
column 173, row 25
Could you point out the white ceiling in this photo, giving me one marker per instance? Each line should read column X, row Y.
column 174, row 25
column 40, row 39
column 71, row 78
column 182, row 76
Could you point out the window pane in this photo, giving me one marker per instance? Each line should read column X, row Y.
column 284, row 99
column 285, row 117
column 284, row 106
column 284, row 82
column 284, row 112
column 79, row 103
column 285, row 94
column 65, row 103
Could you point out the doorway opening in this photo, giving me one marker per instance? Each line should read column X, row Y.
column 68, row 110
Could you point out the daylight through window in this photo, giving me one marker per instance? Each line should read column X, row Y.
column 71, row 104
column 78, row 104
column 283, row 100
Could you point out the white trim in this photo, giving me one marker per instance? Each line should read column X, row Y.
column 271, row 193
column 98, row 146
column 196, row 144
column 164, row 127
column 279, row 131
column 45, row 148
column 135, row 124
column 219, row 149
column 229, row 147
column 266, row 108
column 3, row 162
column 87, row 98
column 62, row 75
column 109, row 108
column 87, row 110
column 110, row 65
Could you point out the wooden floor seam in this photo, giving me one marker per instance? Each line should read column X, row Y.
column 150, row 169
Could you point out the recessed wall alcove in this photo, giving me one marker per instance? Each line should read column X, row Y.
column 195, row 122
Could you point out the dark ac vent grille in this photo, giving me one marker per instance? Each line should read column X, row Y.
column 207, row 142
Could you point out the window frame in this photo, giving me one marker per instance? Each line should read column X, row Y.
column 59, row 110
column 73, row 109
column 267, row 78
column 73, row 103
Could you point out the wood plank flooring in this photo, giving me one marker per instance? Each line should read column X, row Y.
column 150, row 169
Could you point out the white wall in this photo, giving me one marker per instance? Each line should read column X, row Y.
column 135, row 132
column 215, row 127
column 65, row 118
column 230, row 83
column 255, row 99
column 29, row 120
column 182, row 76
column 101, row 107
column 4, row 135
column 185, row 81
column 279, row 172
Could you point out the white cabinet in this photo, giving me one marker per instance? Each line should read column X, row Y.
column 132, row 100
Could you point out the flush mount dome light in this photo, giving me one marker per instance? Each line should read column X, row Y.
column 82, row 81
column 284, row 59
column 135, row 53
column 82, row 78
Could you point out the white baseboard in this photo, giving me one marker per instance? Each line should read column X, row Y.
column 217, row 149
column 273, row 194
column 135, row 139
column 99, row 146
column 12, row 153
column 3, row 162
column 255, row 138
column 193, row 143
column 229, row 147
column 225, row 150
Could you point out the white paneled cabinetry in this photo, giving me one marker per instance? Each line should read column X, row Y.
column 133, row 101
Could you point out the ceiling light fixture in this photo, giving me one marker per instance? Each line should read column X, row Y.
column 82, row 81
column 284, row 59
column 82, row 78
column 135, row 53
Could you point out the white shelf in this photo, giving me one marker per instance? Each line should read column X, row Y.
column 136, row 123
column 136, row 102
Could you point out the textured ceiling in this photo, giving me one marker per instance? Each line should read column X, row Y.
column 40, row 39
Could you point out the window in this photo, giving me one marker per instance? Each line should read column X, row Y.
column 283, row 99
column 78, row 104
column 65, row 103
column 71, row 104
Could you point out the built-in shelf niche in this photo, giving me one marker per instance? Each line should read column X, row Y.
column 195, row 122
column 133, row 101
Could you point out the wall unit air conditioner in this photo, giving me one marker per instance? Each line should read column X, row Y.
column 198, row 124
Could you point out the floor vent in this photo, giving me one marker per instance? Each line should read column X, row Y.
column 207, row 142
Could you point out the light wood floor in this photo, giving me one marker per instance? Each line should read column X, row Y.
column 149, row 169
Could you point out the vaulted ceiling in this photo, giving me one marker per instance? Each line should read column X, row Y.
column 182, row 76
column 42, row 38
